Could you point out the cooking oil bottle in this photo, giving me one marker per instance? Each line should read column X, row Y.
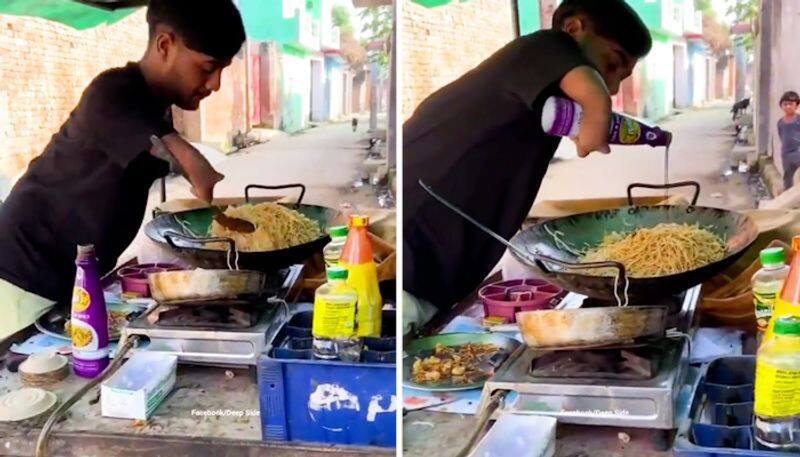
column 334, row 323
column 788, row 301
column 767, row 283
column 357, row 257
column 332, row 252
column 777, row 389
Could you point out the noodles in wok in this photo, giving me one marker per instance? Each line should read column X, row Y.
column 662, row 250
column 276, row 227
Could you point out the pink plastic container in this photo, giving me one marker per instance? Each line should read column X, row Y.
column 134, row 278
column 507, row 298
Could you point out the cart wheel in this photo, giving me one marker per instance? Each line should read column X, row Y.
column 662, row 440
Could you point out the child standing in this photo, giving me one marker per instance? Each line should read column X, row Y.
column 789, row 133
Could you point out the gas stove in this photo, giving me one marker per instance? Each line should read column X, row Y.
column 227, row 334
column 626, row 386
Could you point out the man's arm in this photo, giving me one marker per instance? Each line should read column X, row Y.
column 186, row 160
column 584, row 85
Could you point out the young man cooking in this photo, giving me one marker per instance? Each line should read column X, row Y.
column 478, row 142
column 91, row 183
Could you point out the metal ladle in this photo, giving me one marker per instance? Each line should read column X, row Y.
column 534, row 258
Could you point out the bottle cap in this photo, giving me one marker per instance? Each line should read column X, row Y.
column 85, row 249
column 789, row 325
column 796, row 243
column 337, row 273
column 773, row 256
column 357, row 220
column 557, row 116
column 340, row 231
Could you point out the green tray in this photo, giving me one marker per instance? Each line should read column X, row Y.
column 422, row 345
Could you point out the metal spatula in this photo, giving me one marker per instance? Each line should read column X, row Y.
column 232, row 223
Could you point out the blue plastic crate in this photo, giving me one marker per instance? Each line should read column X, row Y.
column 303, row 399
column 725, row 390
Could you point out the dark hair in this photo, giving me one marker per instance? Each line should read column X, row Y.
column 790, row 96
column 612, row 19
column 213, row 27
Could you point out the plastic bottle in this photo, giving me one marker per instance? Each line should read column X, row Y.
column 777, row 388
column 788, row 301
column 334, row 323
column 767, row 283
column 357, row 257
column 89, row 322
column 562, row 117
column 332, row 252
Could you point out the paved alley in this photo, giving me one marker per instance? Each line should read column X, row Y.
column 700, row 151
column 327, row 159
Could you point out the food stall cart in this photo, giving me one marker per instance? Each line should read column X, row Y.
column 224, row 400
column 597, row 414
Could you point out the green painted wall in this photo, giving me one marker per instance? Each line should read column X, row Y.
column 295, row 89
column 529, row 16
column 649, row 11
column 295, row 51
column 315, row 6
column 658, row 80
column 264, row 21
column 291, row 113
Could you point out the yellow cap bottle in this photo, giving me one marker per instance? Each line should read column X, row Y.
column 788, row 301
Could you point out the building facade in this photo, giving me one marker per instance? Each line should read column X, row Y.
column 288, row 75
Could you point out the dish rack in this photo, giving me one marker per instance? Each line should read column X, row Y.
column 720, row 420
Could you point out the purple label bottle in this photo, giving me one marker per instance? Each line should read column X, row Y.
column 562, row 117
column 89, row 323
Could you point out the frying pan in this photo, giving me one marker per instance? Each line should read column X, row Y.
column 183, row 233
column 557, row 260
column 587, row 327
column 202, row 286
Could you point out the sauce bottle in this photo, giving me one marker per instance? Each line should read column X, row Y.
column 767, row 283
column 788, row 301
column 562, row 117
column 89, row 322
column 777, row 388
column 357, row 257
column 334, row 323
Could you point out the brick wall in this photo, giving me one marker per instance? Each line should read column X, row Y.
column 44, row 68
column 440, row 44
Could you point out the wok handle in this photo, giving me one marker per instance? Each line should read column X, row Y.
column 541, row 259
column 302, row 188
column 673, row 185
column 169, row 235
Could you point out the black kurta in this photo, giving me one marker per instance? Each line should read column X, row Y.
column 90, row 185
column 479, row 143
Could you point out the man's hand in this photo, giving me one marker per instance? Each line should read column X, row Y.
column 203, row 186
column 585, row 86
column 191, row 164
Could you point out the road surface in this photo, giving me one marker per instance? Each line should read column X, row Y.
column 702, row 141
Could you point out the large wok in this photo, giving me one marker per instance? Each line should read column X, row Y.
column 184, row 233
column 557, row 261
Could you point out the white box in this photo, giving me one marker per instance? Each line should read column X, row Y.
column 520, row 435
column 136, row 389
